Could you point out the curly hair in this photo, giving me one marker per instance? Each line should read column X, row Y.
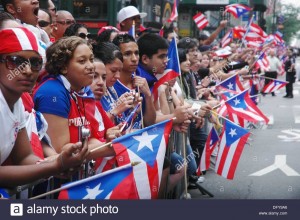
column 61, row 52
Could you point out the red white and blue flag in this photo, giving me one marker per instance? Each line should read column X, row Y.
column 200, row 20
column 232, row 83
column 172, row 69
column 233, row 140
column 237, row 9
column 274, row 85
column 130, row 118
column 174, row 13
column 239, row 32
column 227, row 38
column 262, row 62
column 243, row 106
column 211, row 143
column 117, row 183
column 131, row 31
column 147, row 146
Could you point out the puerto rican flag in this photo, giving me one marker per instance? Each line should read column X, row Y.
column 174, row 13
column 257, row 29
column 274, row 85
column 232, row 83
column 211, row 143
column 131, row 31
column 243, row 106
column 263, row 62
column 172, row 69
column 239, row 32
column 227, row 38
column 200, row 20
column 223, row 52
column 233, row 140
column 278, row 37
column 117, row 183
column 237, row 9
column 147, row 146
column 130, row 118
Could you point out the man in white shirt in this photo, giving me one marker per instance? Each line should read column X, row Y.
column 275, row 67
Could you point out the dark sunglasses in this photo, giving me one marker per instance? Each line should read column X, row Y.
column 84, row 36
column 66, row 22
column 43, row 23
column 14, row 62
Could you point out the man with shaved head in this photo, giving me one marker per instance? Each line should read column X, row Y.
column 62, row 21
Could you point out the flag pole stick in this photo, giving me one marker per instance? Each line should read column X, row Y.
column 185, row 165
column 271, row 78
column 101, row 146
column 72, row 184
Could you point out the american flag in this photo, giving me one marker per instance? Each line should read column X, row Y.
column 200, row 20
column 172, row 69
column 147, row 146
column 117, row 183
column 211, row 143
column 237, row 9
column 274, row 85
column 233, row 140
column 243, row 106
column 227, row 38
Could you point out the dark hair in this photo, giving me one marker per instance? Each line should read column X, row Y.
column 187, row 43
column 107, row 52
column 4, row 16
column 73, row 29
column 48, row 13
column 182, row 54
column 5, row 2
column 149, row 44
column 105, row 36
column 202, row 37
column 123, row 38
column 61, row 52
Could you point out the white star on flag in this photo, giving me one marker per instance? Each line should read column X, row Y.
column 93, row 193
column 230, row 86
column 236, row 101
column 232, row 132
column 145, row 141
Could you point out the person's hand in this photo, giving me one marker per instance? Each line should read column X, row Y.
column 72, row 156
column 142, row 84
column 204, row 110
column 181, row 114
column 223, row 23
column 125, row 101
column 183, row 127
column 113, row 132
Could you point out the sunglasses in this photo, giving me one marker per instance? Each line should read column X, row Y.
column 84, row 36
column 66, row 22
column 15, row 62
column 43, row 23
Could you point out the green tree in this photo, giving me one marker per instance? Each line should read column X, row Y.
column 291, row 21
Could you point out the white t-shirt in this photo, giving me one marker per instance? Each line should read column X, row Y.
column 10, row 124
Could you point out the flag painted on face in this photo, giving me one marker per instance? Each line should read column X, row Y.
column 200, row 20
column 237, row 9
column 147, row 146
column 232, row 142
column 274, row 85
column 172, row 70
column 117, row 183
column 244, row 107
column 211, row 143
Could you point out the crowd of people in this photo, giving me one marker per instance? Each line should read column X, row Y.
column 56, row 81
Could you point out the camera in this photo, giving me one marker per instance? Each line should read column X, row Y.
column 84, row 133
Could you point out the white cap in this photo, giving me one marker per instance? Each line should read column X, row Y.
column 128, row 12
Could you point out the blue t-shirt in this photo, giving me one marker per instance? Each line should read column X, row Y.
column 52, row 98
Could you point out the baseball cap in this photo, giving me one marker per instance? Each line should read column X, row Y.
column 17, row 39
column 128, row 12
